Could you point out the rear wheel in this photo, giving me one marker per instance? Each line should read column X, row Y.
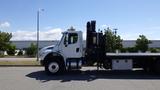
column 54, row 67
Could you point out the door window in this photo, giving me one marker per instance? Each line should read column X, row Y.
column 72, row 38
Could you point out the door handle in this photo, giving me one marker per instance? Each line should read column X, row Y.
column 77, row 50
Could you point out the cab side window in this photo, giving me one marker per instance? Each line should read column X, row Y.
column 72, row 38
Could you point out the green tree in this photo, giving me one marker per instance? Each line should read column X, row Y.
column 113, row 41
column 142, row 43
column 31, row 51
column 11, row 50
column 4, row 40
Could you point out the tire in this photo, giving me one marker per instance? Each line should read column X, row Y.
column 54, row 67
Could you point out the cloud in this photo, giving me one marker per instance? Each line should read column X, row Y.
column 4, row 24
column 52, row 34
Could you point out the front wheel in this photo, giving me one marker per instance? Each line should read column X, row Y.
column 53, row 67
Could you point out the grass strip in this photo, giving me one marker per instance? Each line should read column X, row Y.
column 19, row 63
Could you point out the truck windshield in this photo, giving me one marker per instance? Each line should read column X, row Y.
column 64, row 34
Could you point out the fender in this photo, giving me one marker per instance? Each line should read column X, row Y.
column 52, row 55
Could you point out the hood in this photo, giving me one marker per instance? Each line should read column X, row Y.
column 48, row 48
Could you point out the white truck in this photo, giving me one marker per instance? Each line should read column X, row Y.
column 70, row 54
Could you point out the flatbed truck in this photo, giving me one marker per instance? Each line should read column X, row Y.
column 70, row 53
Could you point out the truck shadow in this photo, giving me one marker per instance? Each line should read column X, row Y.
column 93, row 75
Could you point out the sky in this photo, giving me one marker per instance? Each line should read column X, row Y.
column 131, row 17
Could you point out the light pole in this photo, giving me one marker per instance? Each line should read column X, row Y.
column 38, row 12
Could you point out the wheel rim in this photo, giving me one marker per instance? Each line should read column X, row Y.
column 53, row 67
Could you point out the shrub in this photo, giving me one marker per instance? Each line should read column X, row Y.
column 31, row 51
column 20, row 53
column 131, row 49
column 154, row 50
column 1, row 53
column 11, row 50
column 123, row 50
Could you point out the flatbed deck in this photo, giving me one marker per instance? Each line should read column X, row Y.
column 132, row 55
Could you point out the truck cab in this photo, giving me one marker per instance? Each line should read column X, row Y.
column 67, row 54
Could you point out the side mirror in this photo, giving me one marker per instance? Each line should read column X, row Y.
column 65, row 42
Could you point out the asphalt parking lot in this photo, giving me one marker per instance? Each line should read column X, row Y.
column 34, row 78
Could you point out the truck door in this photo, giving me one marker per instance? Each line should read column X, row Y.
column 71, row 46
